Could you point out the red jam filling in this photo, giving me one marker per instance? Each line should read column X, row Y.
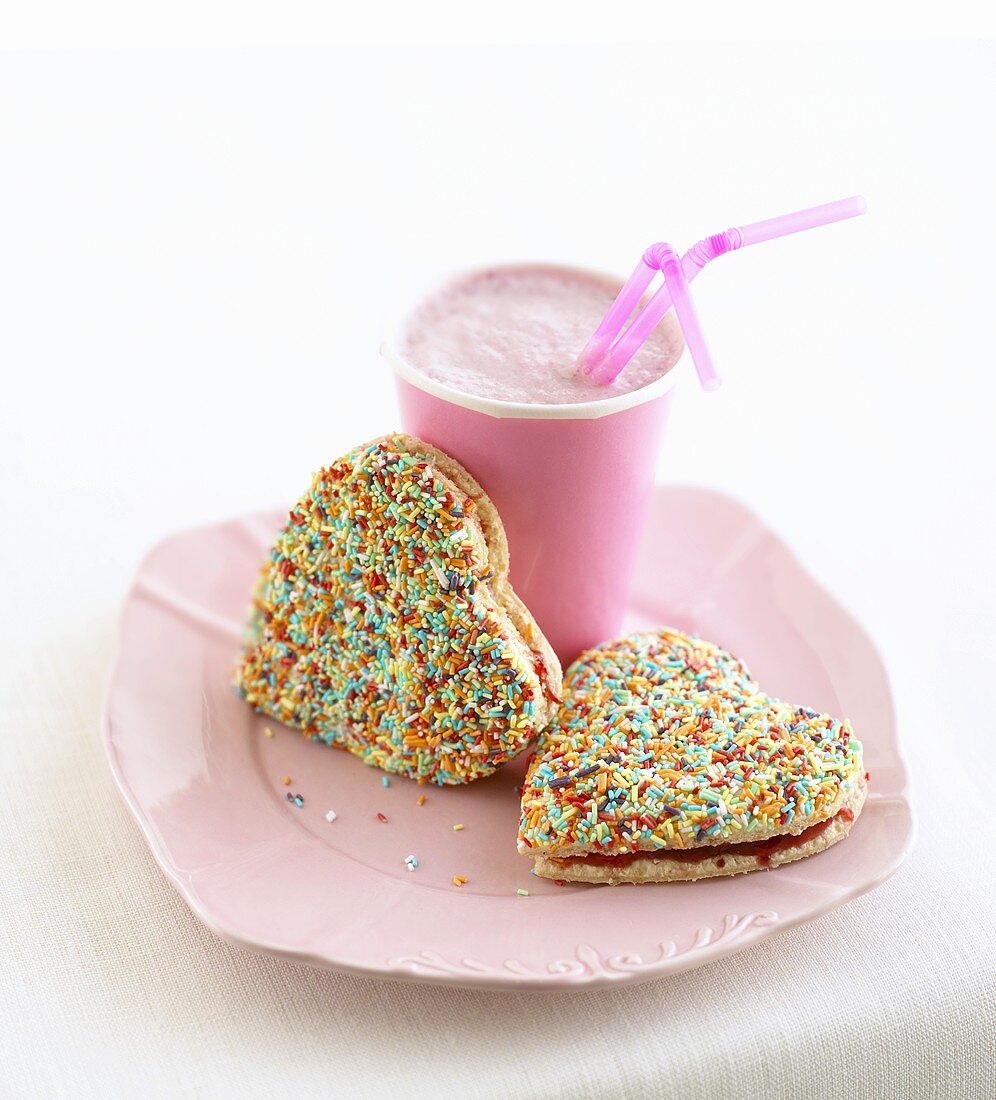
column 762, row 850
column 541, row 672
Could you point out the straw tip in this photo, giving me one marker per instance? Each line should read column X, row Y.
column 591, row 356
column 710, row 385
column 860, row 204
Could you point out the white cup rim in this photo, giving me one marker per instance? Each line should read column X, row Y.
column 521, row 410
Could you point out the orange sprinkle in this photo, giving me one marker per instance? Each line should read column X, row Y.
column 286, row 780
column 421, row 799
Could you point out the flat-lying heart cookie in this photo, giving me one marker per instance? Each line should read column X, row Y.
column 384, row 622
column 666, row 762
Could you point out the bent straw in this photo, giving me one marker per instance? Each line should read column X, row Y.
column 629, row 343
column 603, row 361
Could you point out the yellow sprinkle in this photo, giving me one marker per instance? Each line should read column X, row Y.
column 268, row 732
column 421, row 799
column 457, row 828
column 459, row 880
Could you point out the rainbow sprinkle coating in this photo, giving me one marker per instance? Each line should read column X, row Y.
column 374, row 628
column 665, row 741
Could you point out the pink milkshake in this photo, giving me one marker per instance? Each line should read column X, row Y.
column 514, row 333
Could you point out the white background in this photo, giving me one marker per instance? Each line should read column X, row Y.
column 199, row 254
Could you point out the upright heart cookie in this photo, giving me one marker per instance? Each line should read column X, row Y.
column 666, row 762
column 384, row 622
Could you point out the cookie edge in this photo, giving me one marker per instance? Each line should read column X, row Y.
column 522, row 629
column 643, row 870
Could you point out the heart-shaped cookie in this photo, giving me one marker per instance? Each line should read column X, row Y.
column 667, row 762
column 384, row 622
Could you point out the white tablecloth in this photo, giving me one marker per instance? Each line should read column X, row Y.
column 183, row 338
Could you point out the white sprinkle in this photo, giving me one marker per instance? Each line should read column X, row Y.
column 331, row 816
column 411, row 862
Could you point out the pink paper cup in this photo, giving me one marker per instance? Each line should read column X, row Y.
column 571, row 483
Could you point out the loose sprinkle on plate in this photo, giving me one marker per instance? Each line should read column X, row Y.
column 523, row 893
column 421, row 799
column 385, row 781
column 459, row 880
column 411, row 862
column 331, row 816
column 381, row 817
column 457, row 828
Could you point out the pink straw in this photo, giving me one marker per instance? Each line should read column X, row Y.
column 608, row 352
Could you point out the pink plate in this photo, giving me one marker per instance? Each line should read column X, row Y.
column 205, row 782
